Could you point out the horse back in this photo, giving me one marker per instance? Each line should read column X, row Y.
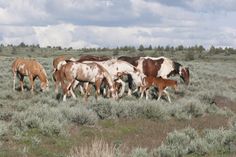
column 151, row 67
column 131, row 60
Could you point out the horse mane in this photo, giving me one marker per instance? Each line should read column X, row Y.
column 176, row 66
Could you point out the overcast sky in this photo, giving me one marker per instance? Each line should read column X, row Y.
column 112, row 23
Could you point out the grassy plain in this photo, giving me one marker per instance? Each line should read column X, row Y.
column 200, row 121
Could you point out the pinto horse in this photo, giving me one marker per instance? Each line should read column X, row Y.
column 89, row 73
column 57, row 63
column 157, row 67
column 162, row 67
column 160, row 83
column 116, row 68
column 31, row 68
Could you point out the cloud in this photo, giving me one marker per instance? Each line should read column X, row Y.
column 110, row 23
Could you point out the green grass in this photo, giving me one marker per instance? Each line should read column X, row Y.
column 55, row 126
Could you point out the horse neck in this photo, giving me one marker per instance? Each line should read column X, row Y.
column 42, row 76
column 177, row 66
column 106, row 75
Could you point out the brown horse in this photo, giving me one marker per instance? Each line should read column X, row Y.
column 57, row 63
column 93, row 58
column 31, row 68
column 158, row 82
column 90, row 73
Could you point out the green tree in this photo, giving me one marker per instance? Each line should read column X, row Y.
column 150, row 47
column 212, row 50
column 13, row 51
column 141, row 48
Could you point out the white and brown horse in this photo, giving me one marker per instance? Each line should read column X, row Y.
column 90, row 73
column 57, row 63
column 116, row 68
column 158, row 67
column 31, row 68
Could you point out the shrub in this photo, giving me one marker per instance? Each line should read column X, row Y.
column 3, row 128
column 139, row 152
column 80, row 115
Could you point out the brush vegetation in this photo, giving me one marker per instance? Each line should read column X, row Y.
column 27, row 121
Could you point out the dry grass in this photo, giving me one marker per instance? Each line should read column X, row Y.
column 98, row 148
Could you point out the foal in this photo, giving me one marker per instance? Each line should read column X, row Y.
column 159, row 83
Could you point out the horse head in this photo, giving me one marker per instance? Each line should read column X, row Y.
column 44, row 85
column 184, row 74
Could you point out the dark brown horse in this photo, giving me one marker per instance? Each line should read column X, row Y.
column 93, row 58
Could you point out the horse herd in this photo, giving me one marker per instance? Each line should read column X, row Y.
column 103, row 71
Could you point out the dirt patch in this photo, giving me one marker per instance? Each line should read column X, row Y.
column 144, row 133
column 222, row 102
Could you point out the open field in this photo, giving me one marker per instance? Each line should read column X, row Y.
column 200, row 121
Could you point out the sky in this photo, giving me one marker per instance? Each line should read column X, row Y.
column 112, row 23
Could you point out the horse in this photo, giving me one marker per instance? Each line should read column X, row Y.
column 163, row 67
column 157, row 67
column 93, row 58
column 160, row 83
column 116, row 68
column 57, row 63
column 131, row 60
column 89, row 73
column 31, row 68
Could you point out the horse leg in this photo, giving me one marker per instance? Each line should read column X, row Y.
column 142, row 92
column 14, row 80
column 98, row 85
column 81, row 88
column 87, row 88
column 159, row 94
column 147, row 93
column 130, row 81
column 72, row 93
column 21, row 78
column 168, row 96
column 122, row 87
column 31, row 79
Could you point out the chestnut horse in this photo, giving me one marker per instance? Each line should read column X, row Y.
column 57, row 63
column 31, row 68
column 160, row 83
column 90, row 73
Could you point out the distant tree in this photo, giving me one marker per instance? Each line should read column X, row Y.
column 167, row 48
column 22, row 44
column 201, row 48
column 116, row 52
column 212, row 50
column 180, row 48
column 150, row 47
column 141, row 48
column 13, row 51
